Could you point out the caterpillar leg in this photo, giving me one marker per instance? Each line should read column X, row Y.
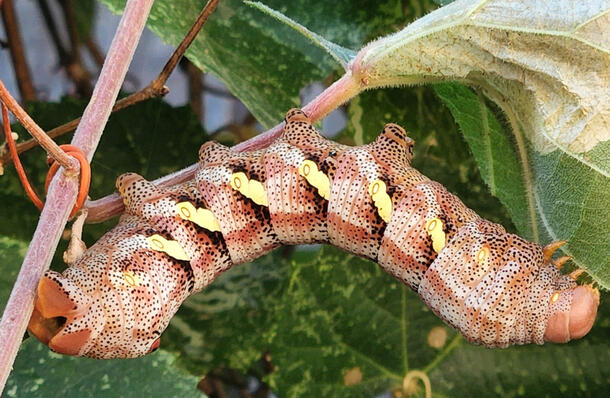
column 76, row 247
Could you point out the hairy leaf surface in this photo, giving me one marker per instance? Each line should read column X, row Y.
column 545, row 66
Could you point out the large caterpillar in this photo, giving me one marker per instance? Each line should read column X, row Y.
column 494, row 287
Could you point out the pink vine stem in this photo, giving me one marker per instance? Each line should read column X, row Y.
column 63, row 189
column 336, row 94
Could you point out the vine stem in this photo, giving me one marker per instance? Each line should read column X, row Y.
column 155, row 88
column 64, row 187
column 412, row 376
column 30, row 125
column 341, row 91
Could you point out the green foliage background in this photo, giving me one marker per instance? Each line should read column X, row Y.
column 319, row 313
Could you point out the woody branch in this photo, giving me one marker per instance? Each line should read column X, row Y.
column 63, row 188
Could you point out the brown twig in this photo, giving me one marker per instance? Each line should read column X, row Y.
column 69, row 60
column 94, row 50
column 188, row 39
column 22, row 72
column 195, row 85
column 74, row 66
column 156, row 88
column 49, row 21
column 63, row 189
column 47, row 143
column 66, row 5
column 142, row 95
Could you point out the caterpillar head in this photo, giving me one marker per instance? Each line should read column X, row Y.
column 498, row 289
column 573, row 308
column 113, row 302
column 573, row 313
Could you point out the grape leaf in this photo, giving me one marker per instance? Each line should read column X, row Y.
column 39, row 372
column 264, row 62
column 11, row 255
column 345, row 328
column 236, row 47
column 340, row 54
column 543, row 64
column 549, row 196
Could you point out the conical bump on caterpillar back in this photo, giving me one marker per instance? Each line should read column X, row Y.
column 494, row 287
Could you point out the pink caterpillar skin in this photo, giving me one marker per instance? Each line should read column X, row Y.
column 494, row 287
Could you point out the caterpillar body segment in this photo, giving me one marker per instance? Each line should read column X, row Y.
column 494, row 287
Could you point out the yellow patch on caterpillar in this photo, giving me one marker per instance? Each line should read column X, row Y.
column 555, row 297
column 202, row 217
column 251, row 189
column 381, row 199
column 170, row 247
column 482, row 254
column 315, row 178
column 131, row 279
column 434, row 228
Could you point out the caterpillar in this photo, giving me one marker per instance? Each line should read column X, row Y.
column 494, row 287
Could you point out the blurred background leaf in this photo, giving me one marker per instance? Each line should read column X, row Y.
column 341, row 315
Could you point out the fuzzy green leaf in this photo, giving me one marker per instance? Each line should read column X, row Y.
column 238, row 48
column 341, row 54
column 554, row 179
column 544, row 65
column 549, row 196
column 39, row 372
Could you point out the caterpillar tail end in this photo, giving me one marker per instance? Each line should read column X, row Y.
column 578, row 317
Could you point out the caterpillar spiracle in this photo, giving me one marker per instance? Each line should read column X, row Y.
column 494, row 287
